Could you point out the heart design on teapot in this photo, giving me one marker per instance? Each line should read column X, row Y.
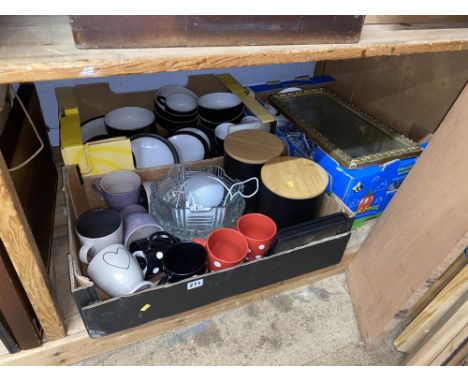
column 119, row 259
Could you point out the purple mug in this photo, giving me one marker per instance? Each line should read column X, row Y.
column 118, row 188
column 139, row 225
column 132, row 209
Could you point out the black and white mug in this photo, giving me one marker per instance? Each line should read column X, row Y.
column 153, row 248
column 97, row 229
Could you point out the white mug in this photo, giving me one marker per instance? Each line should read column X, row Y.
column 96, row 229
column 117, row 272
column 249, row 122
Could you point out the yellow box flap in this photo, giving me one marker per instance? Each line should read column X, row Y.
column 250, row 102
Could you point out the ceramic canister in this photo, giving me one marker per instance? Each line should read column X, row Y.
column 245, row 152
column 291, row 190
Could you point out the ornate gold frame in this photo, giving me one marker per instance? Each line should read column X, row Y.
column 412, row 149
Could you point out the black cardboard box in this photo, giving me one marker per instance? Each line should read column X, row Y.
column 103, row 315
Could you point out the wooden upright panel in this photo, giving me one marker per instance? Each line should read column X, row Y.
column 24, row 254
column 422, row 231
column 15, row 308
column 411, row 93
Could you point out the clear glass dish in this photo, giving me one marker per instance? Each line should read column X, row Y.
column 170, row 208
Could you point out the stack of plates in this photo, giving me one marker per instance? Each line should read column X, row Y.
column 152, row 150
column 93, row 130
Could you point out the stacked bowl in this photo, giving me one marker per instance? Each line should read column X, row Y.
column 220, row 108
column 175, row 107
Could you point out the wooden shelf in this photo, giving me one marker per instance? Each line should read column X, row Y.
column 37, row 48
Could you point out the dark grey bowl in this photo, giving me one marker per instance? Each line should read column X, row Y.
column 219, row 107
column 129, row 121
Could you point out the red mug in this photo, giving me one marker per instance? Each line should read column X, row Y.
column 226, row 248
column 259, row 230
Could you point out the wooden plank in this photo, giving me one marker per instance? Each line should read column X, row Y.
column 24, row 254
column 145, row 31
column 3, row 96
column 437, row 287
column 35, row 183
column 460, row 358
column 440, row 336
column 421, row 233
column 7, row 341
column 36, row 48
column 15, row 308
column 430, row 315
column 78, row 347
column 414, row 19
column 452, row 347
column 410, row 93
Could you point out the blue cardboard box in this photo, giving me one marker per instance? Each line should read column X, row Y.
column 305, row 82
column 365, row 191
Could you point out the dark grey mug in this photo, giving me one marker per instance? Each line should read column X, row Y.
column 119, row 188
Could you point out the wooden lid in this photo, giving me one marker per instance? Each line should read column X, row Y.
column 253, row 146
column 294, row 178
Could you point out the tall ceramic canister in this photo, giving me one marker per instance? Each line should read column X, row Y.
column 245, row 152
column 291, row 190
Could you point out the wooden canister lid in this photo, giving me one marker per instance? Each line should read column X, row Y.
column 253, row 146
column 294, row 178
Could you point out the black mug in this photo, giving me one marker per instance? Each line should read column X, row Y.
column 183, row 260
column 154, row 248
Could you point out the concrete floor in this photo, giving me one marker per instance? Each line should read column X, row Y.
column 314, row 325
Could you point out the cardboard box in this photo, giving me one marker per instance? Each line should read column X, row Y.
column 262, row 91
column 365, row 191
column 368, row 190
column 103, row 315
column 85, row 102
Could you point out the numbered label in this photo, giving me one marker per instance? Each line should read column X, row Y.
column 195, row 284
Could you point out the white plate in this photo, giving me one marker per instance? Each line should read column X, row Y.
column 188, row 147
column 93, row 128
column 150, row 151
column 198, row 132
